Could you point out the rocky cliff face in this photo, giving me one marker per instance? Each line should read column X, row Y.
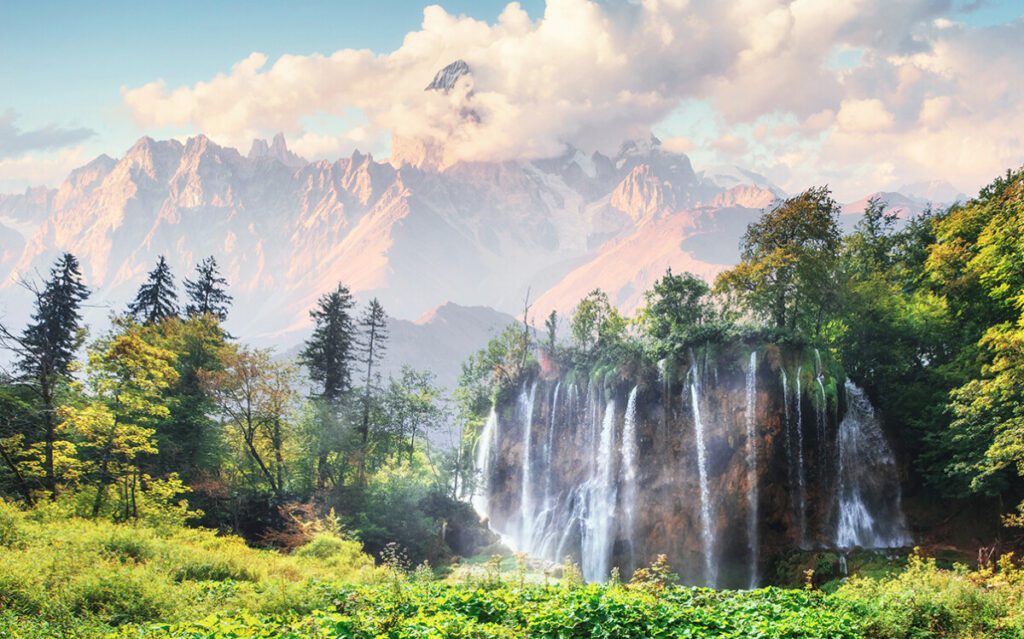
column 412, row 232
column 722, row 462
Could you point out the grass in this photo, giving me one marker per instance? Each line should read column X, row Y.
column 74, row 578
column 70, row 575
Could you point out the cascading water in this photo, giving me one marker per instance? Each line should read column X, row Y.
column 598, row 531
column 800, row 469
column 484, row 461
column 869, row 512
column 526, row 401
column 571, row 481
column 630, row 470
column 752, row 476
column 707, row 535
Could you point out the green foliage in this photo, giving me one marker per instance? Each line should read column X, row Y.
column 679, row 313
column 787, row 270
column 924, row 601
column 596, row 325
column 157, row 298
column 68, row 576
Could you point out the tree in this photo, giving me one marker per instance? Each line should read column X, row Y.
column 328, row 355
column 329, row 351
column 373, row 347
column 977, row 264
column 125, row 379
column 157, row 298
column 788, row 262
column 256, row 395
column 413, row 406
column 551, row 328
column 676, row 308
column 46, row 350
column 208, row 292
column 188, row 440
column 596, row 324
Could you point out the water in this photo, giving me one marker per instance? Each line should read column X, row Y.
column 485, row 446
column 868, row 496
column 752, row 477
column 570, row 483
column 526, row 401
column 598, row 531
column 630, row 459
column 707, row 536
column 801, row 472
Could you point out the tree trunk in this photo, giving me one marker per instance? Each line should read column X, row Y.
column 49, row 435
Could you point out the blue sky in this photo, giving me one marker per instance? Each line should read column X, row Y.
column 65, row 64
column 63, row 68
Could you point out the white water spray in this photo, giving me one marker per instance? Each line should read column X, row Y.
column 752, row 478
column 707, row 537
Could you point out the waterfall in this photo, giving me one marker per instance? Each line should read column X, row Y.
column 801, row 472
column 526, row 494
column 485, row 446
column 752, row 478
column 597, row 540
column 630, row 458
column 821, row 417
column 868, row 495
column 707, row 536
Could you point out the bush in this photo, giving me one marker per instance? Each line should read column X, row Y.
column 10, row 531
column 926, row 601
column 118, row 597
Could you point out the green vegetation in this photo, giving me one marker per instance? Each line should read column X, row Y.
column 65, row 576
column 179, row 483
column 926, row 314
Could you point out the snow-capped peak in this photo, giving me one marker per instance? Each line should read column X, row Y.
column 447, row 77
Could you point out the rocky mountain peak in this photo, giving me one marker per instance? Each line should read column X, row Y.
column 277, row 149
column 446, row 79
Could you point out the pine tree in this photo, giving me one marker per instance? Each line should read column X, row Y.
column 374, row 326
column 329, row 351
column 208, row 293
column 157, row 298
column 54, row 335
column 47, row 348
column 328, row 356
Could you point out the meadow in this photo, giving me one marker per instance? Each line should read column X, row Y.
column 69, row 577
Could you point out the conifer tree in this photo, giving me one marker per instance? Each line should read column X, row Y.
column 374, row 327
column 328, row 355
column 157, row 298
column 329, row 351
column 207, row 294
column 47, row 348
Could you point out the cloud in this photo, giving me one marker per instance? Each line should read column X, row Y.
column 32, row 169
column 924, row 97
column 15, row 142
column 863, row 116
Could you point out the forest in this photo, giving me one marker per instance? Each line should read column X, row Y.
column 163, row 479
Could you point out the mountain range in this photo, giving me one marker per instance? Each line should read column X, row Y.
column 412, row 231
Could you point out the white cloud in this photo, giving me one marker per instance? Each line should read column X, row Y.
column 34, row 169
column 863, row 116
column 922, row 97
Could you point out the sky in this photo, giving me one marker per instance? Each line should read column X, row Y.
column 863, row 95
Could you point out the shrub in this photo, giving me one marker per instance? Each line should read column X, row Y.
column 117, row 597
column 10, row 531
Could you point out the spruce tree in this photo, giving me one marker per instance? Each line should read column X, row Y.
column 374, row 326
column 328, row 356
column 207, row 294
column 48, row 346
column 157, row 298
column 329, row 351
